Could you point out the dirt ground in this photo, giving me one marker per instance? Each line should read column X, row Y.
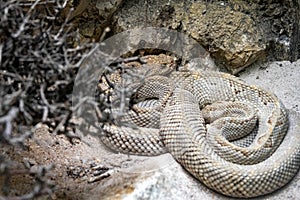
column 80, row 166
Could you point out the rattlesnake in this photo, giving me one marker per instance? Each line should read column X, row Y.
column 175, row 121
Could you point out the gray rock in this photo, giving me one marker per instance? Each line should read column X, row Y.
column 236, row 33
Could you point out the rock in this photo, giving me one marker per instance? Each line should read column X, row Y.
column 236, row 33
column 87, row 29
column 107, row 7
column 231, row 36
column 279, row 20
column 91, row 17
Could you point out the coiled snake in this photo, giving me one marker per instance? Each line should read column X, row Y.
column 220, row 129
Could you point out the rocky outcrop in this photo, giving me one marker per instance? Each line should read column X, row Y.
column 236, row 33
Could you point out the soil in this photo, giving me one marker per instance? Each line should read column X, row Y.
column 81, row 168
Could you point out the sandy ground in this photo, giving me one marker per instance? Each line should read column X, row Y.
column 85, row 169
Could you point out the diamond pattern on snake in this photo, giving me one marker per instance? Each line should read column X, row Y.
column 228, row 134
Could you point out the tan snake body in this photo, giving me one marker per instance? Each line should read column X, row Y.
column 247, row 166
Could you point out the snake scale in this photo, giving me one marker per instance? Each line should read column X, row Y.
column 230, row 135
